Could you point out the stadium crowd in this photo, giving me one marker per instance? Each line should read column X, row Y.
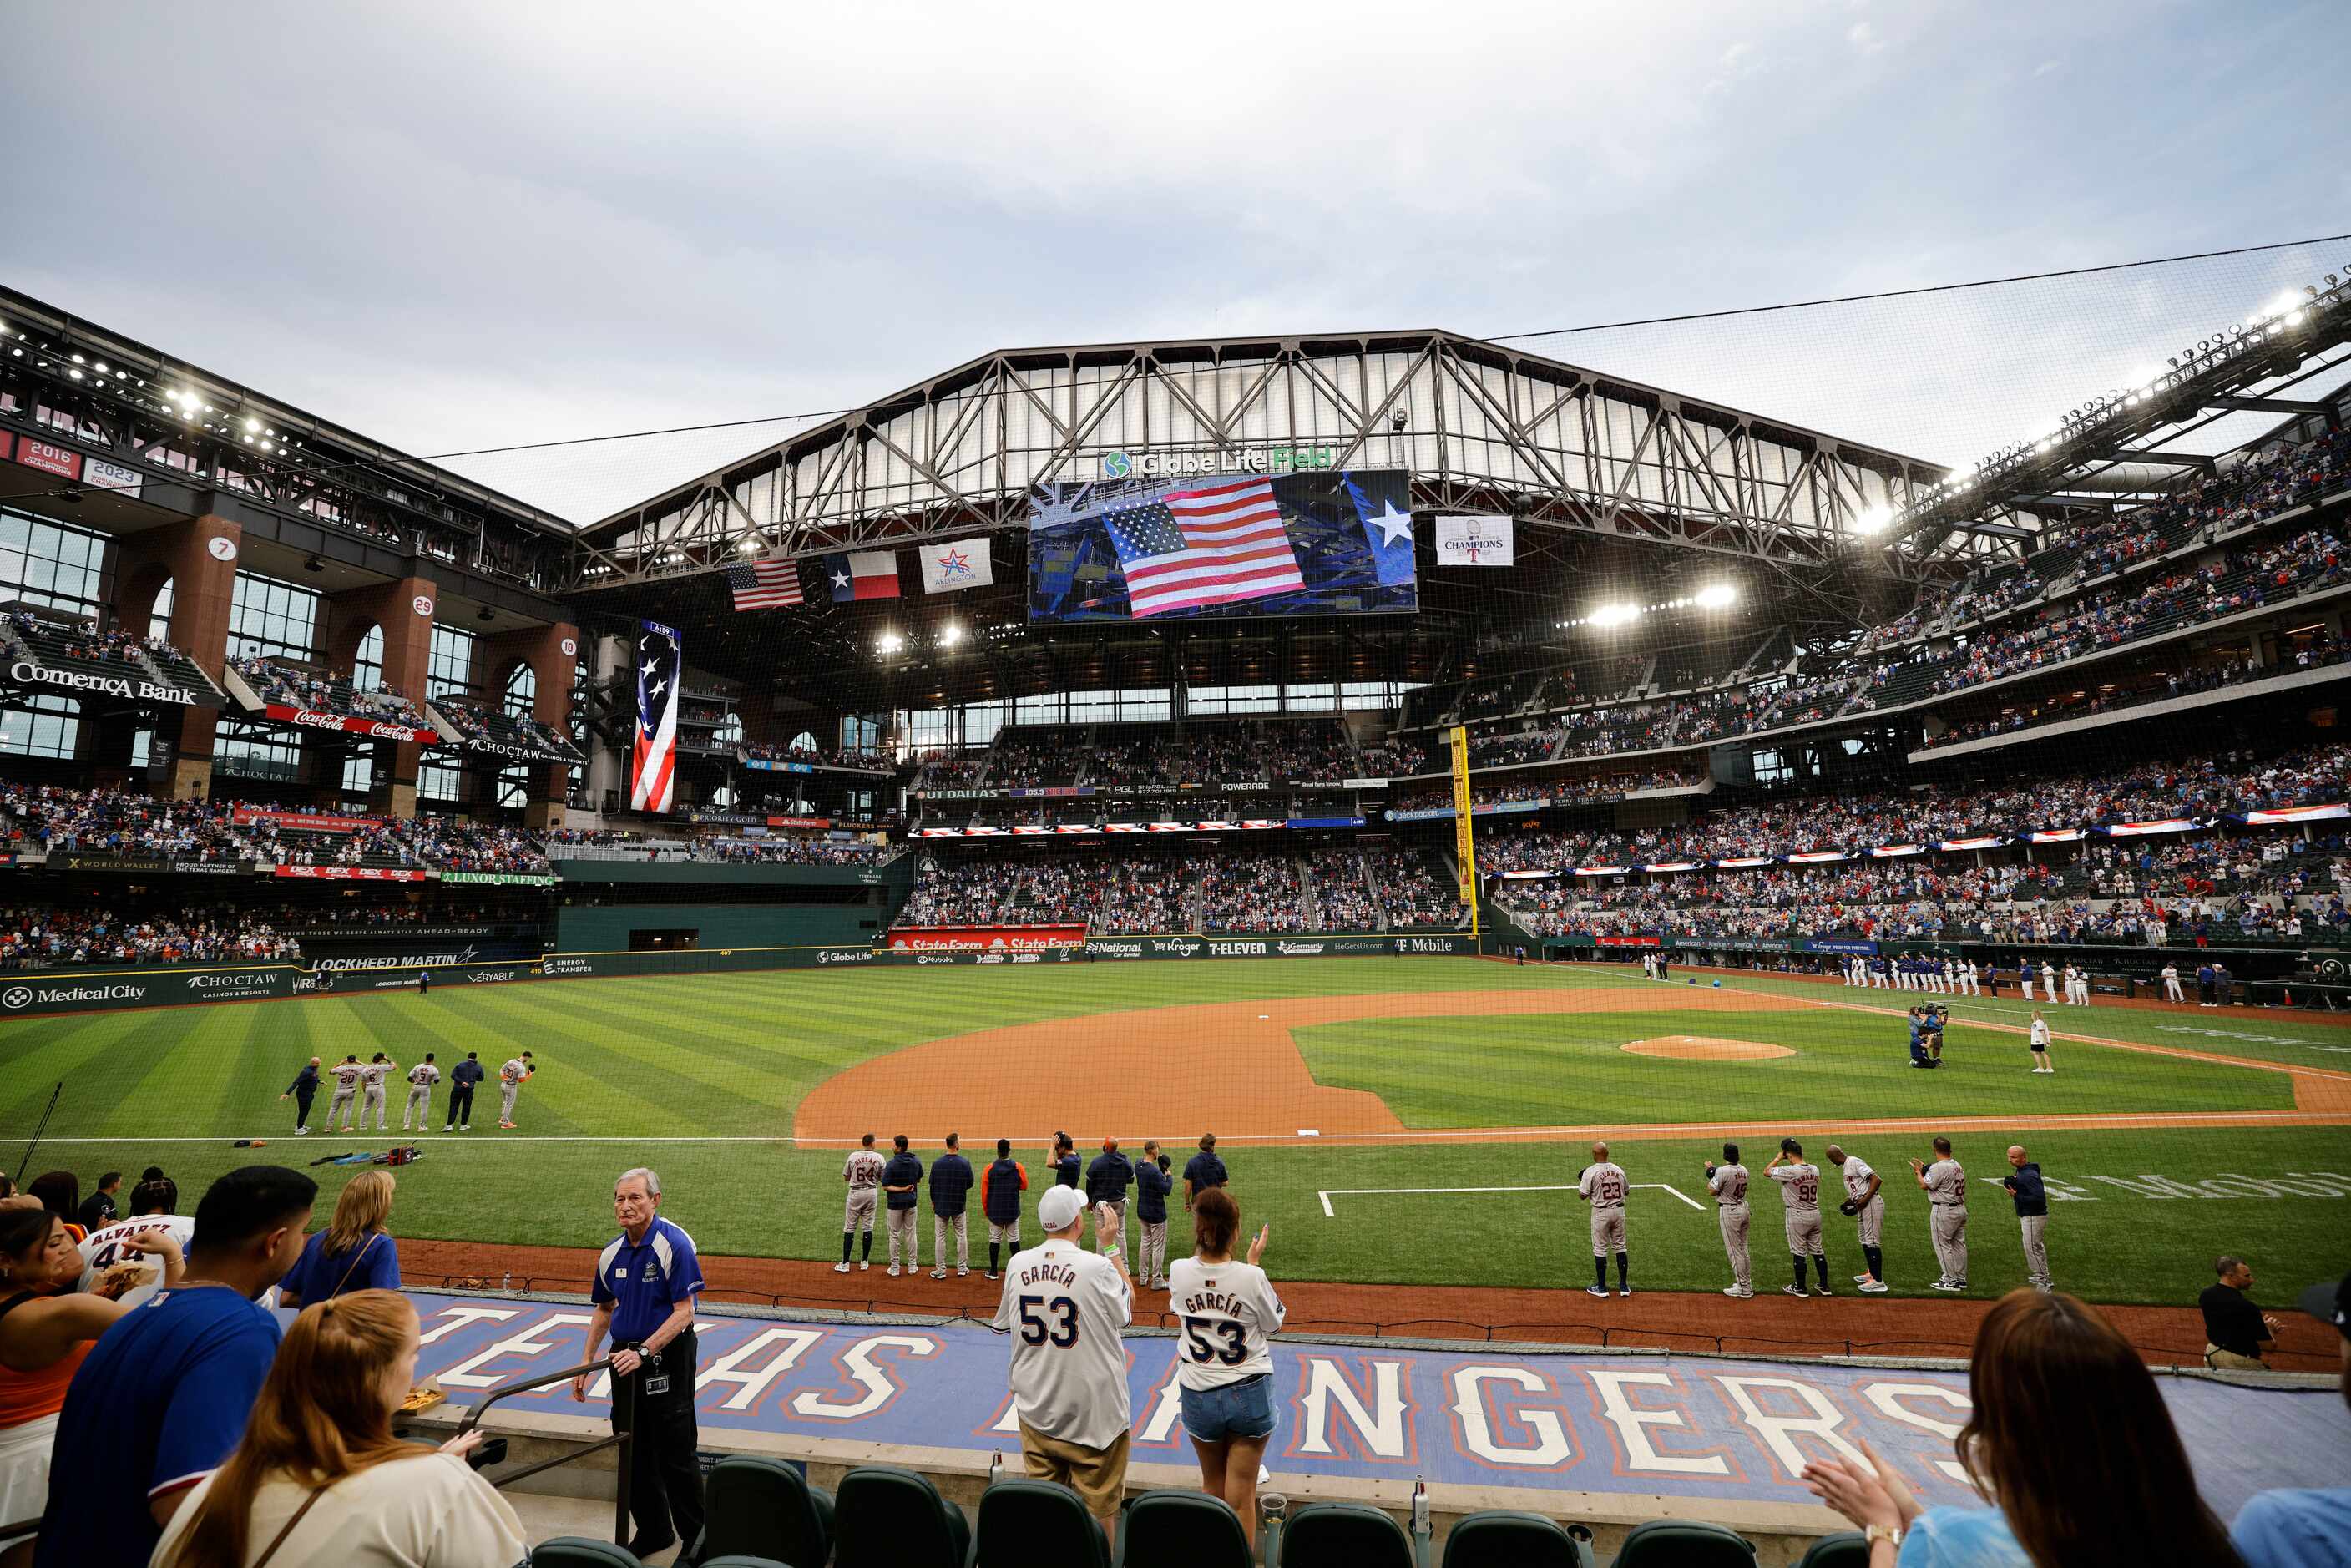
column 320, row 693
column 45, row 936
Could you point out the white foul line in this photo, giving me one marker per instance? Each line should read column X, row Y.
column 1327, row 1194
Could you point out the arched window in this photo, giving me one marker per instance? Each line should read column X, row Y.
column 159, row 619
column 730, row 732
column 804, row 741
column 367, row 664
column 522, row 691
column 723, row 798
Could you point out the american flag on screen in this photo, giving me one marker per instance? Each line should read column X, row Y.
column 1220, row 543
column 764, row 584
column 653, row 766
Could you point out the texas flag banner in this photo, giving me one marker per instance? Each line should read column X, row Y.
column 652, row 762
column 862, row 574
column 957, row 563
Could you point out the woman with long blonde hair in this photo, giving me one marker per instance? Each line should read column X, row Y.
column 355, row 1252
column 318, row 1476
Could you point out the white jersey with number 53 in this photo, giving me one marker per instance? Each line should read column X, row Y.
column 1063, row 1308
column 1230, row 1315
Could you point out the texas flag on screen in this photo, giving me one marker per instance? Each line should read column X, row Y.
column 1388, row 531
column 863, row 574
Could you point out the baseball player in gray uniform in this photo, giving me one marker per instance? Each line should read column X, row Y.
column 863, row 1172
column 1727, row 1182
column 1864, row 1200
column 1946, row 1186
column 421, row 1079
column 371, row 1079
column 1604, row 1185
column 1800, row 1193
column 510, row 1080
column 347, row 1074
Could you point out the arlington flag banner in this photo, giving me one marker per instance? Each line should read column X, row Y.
column 957, row 563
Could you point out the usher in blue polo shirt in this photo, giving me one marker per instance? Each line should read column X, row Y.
column 160, row 1402
column 644, row 1279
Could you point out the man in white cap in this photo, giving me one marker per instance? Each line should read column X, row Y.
column 1064, row 1307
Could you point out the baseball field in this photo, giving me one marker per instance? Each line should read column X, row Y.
column 1408, row 1121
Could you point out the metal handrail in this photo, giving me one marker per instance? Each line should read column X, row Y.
column 624, row 1420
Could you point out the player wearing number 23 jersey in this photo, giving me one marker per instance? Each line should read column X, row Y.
column 1230, row 1315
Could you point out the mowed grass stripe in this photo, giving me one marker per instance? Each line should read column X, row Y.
column 79, row 1053
column 1543, row 1070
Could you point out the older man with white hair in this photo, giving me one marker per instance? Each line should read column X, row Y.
column 646, row 1281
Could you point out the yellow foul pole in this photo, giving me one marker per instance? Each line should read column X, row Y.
column 1464, row 851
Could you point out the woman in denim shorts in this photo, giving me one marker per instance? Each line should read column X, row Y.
column 1224, row 1356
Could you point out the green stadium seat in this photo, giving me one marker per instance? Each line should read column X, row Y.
column 1846, row 1549
column 1507, row 1538
column 737, row 1560
column 886, row 1516
column 1024, row 1521
column 1683, row 1543
column 1343, row 1535
column 579, row 1552
column 759, row 1507
column 1182, row 1530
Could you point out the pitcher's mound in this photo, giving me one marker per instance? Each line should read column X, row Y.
column 1707, row 1048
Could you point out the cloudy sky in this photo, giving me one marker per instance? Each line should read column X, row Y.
column 457, row 227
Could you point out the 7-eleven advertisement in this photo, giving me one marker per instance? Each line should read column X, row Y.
column 985, row 939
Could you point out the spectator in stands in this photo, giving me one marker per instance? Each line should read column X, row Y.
column 1069, row 1366
column 1224, row 1364
column 46, row 1330
column 2304, row 1529
column 2235, row 1330
column 2049, row 1377
column 97, row 1209
column 155, row 1194
column 319, row 1478
column 162, row 1399
column 355, row 1252
column 61, row 1194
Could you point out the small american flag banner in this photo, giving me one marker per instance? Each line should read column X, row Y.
column 1189, row 549
column 764, row 584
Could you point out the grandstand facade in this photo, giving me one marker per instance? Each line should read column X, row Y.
column 1745, row 683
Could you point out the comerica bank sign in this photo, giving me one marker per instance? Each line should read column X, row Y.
column 28, row 672
column 1218, row 460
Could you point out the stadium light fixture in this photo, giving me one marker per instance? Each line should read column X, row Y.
column 1613, row 615
column 1718, row 596
column 889, row 643
column 748, row 544
column 1872, row 520
column 950, row 634
column 252, row 425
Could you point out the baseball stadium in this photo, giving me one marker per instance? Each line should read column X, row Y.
column 1394, row 775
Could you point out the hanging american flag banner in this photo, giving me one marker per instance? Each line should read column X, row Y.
column 764, row 584
column 653, row 766
column 1221, row 543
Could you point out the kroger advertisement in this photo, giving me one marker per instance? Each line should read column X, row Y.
column 1139, row 546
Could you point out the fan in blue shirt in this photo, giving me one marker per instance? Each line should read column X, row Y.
column 163, row 1397
column 354, row 1253
column 2307, row 1528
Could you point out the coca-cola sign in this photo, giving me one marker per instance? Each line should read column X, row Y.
column 374, row 728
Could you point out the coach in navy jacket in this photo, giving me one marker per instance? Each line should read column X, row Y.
column 950, row 1193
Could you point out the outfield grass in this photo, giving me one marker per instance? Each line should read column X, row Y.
column 1539, row 1069
column 700, row 1059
